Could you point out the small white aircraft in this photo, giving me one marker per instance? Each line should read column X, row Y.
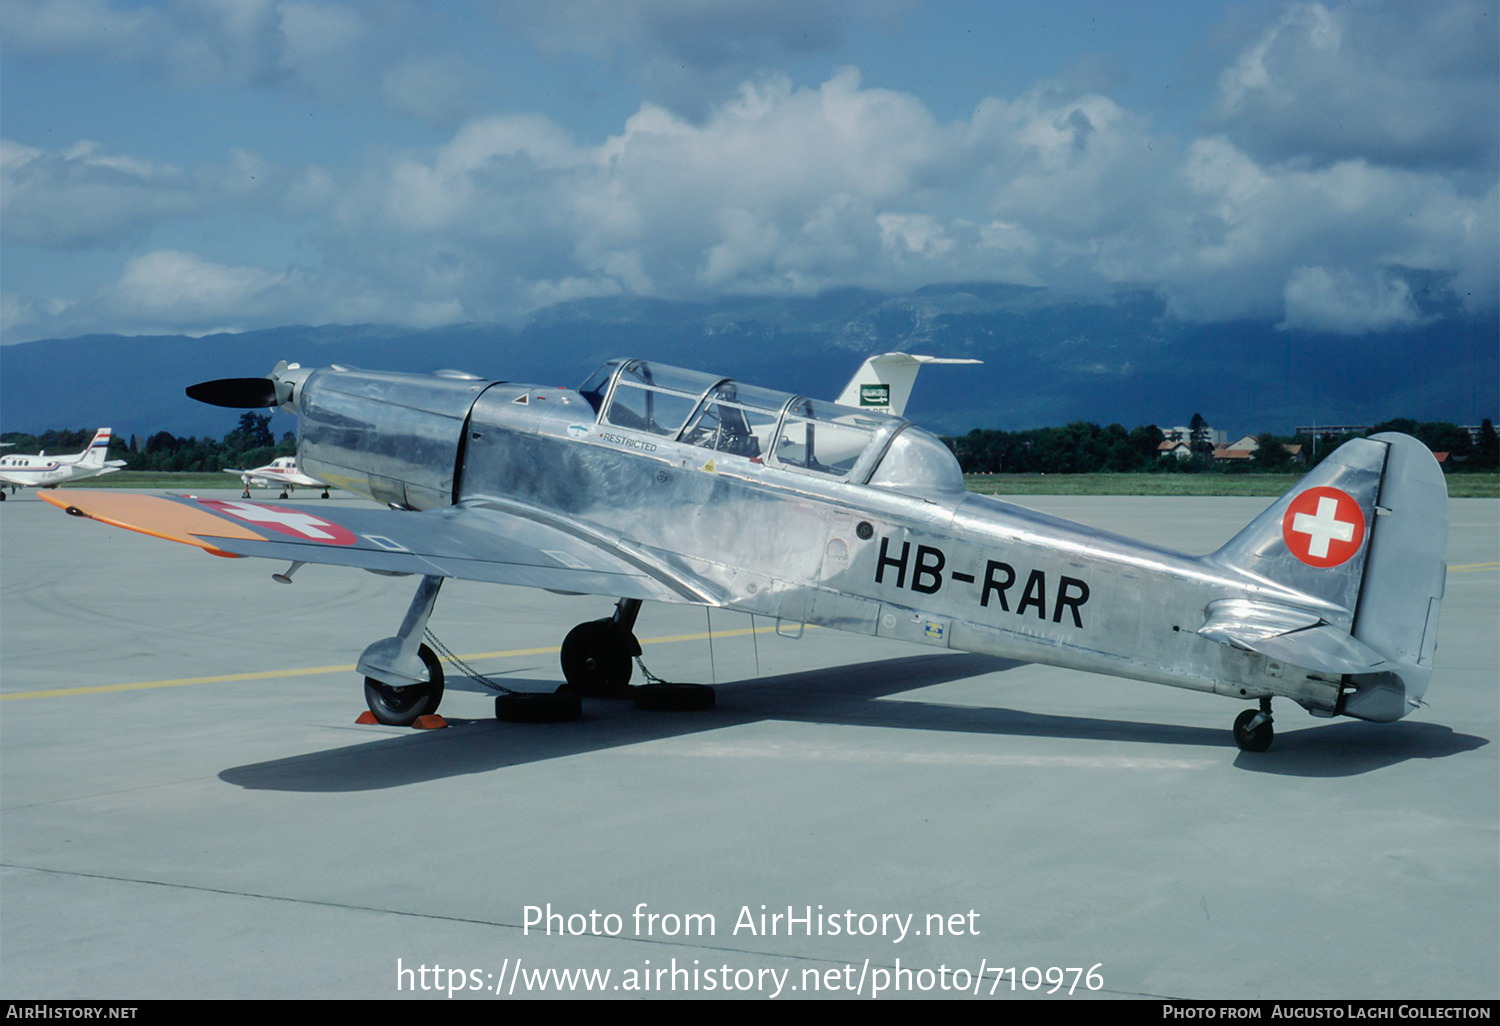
column 282, row 472
column 42, row 471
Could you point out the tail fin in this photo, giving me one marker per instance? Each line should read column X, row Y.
column 884, row 382
column 93, row 456
column 1353, row 559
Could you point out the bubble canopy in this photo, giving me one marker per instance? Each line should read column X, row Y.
column 775, row 428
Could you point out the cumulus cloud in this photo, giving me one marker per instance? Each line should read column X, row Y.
column 181, row 287
column 1379, row 80
column 1343, row 302
column 175, row 291
column 781, row 189
column 1243, row 229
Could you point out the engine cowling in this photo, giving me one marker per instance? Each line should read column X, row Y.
column 393, row 437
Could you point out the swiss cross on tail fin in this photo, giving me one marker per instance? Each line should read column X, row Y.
column 1314, row 539
column 1323, row 527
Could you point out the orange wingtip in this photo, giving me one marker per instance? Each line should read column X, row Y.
column 153, row 515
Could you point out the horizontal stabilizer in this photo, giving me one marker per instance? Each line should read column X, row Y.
column 1295, row 636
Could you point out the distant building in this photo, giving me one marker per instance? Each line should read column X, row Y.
column 1180, row 449
column 1226, row 454
column 1244, row 449
column 1238, row 450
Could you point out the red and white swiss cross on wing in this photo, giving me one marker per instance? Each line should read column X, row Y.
column 1323, row 527
column 291, row 522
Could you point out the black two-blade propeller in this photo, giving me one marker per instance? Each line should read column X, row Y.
column 235, row 393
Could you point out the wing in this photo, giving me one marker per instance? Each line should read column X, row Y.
column 478, row 541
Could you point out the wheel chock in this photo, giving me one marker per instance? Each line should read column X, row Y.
column 432, row 722
column 670, row 697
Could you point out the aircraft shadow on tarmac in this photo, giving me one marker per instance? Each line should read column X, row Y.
column 840, row 695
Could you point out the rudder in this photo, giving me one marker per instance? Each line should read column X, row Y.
column 98, row 449
column 1405, row 573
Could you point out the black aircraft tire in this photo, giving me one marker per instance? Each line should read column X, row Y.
column 1257, row 740
column 596, row 659
column 537, row 707
column 400, row 707
column 673, row 697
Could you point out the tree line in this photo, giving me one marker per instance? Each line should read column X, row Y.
column 250, row 444
column 1086, row 448
column 1077, row 448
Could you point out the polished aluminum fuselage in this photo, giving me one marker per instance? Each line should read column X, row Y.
column 929, row 564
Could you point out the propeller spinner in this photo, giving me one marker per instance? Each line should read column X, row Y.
column 236, row 393
column 250, row 393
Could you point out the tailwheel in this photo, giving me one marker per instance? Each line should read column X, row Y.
column 596, row 660
column 1252, row 728
column 400, row 706
column 537, row 707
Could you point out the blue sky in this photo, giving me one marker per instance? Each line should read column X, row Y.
column 237, row 164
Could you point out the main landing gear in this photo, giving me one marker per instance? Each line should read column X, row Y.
column 403, row 677
column 400, row 706
column 1252, row 728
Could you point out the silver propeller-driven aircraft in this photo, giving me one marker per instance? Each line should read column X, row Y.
column 656, row 483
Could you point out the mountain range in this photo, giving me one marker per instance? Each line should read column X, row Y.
column 1047, row 360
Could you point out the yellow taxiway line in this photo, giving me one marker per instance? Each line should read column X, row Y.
column 309, row 671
